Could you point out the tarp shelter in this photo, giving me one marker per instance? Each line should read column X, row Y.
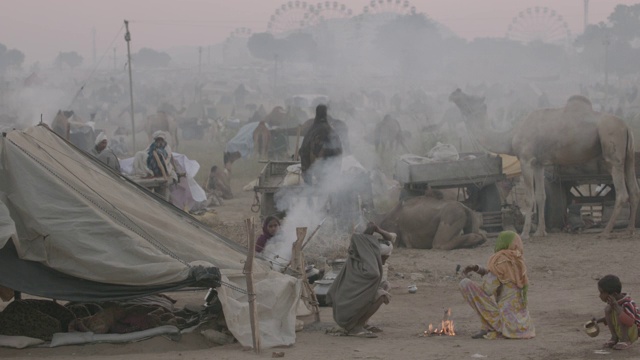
column 72, row 229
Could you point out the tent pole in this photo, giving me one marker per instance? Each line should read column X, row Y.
column 248, row 271
column 300, row 266
column 127, row 38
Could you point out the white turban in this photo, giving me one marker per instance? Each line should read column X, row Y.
column 100, row 138
column 159, row 134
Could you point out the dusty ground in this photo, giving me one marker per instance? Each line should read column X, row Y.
column 563, row 270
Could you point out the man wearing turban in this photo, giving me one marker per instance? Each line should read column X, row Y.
column 102, row 152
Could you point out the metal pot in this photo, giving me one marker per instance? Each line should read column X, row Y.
column 591, row 328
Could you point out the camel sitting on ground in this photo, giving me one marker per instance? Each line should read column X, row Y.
column 563, row 136
column 430, row 222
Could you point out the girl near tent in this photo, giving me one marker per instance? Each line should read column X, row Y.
column 270, row 227
column 501, row 300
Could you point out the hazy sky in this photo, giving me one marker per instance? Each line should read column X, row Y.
column 42, row 28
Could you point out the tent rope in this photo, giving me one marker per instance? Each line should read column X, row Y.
column 236, row 288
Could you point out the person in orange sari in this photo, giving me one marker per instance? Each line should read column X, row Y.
column 501, row 299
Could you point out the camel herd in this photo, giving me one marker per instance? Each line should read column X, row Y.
column 569, row 135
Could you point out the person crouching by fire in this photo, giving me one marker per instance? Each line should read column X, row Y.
column 359, row 289
column 501, row 299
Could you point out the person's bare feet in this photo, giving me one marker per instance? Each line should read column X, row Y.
column 610, row 344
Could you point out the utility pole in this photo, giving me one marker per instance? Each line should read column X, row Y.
column 606, row 43
column 586, row 15
column 94, row 46
column 199, row 61
column 127, row 38
column 198, row 82
column 275, row 72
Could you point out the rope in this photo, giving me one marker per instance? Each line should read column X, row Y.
column 95, row 68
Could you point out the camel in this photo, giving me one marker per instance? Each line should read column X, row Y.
column 430, row 222
column 61, row 124
column 388, row 135
column 261, row 140
column 165, row 122
column 72, row 128
column 563, row 136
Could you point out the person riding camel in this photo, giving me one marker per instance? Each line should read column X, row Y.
column 320, row 142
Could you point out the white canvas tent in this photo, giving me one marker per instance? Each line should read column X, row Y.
column 71, row 229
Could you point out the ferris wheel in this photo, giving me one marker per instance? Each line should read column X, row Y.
column 328, row 10
column 539, row 24
column 389, row 8
column 290, row 16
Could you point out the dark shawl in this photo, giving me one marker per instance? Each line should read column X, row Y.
column 356, row 286
column 321, row 141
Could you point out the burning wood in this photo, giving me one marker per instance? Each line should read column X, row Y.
column 446, row 326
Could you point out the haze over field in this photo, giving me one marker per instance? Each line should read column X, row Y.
column 42, row 28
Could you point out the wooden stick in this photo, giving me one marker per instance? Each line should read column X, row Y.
column 298, row 264
column 313, row 233
column 160, row 164
column 248, row 271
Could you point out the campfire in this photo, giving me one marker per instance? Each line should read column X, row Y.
column 446, row 326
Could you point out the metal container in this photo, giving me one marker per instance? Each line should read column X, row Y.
column 321, row 287
column 591, row 328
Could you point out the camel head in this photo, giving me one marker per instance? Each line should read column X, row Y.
column 470, row 106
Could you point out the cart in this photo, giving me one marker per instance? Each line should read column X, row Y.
column 474, row 174
column 589, row 184
column 271, row 179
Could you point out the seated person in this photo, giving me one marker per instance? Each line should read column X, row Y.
column 501, row 300
column 270, row 227
column 214, row 195
column 103, row 153
column 621, row 315
column 359, row 290
column 159, row 158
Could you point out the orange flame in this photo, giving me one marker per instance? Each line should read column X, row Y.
column 446, row 326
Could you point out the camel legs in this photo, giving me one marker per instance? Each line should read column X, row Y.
column 634, row 197
column 541, row 197
column 448, row 236
column 529, row 197
column 618, row 176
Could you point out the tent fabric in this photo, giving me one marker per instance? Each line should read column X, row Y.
column 74, row 216
column 242, row 142
column 40, row 280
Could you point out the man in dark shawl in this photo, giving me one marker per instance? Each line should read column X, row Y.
column 320, row 142
column 359, row 289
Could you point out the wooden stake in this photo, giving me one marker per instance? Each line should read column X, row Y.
column 248, row 271
column 298, row 264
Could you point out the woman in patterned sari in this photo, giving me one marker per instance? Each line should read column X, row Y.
column 501, row 299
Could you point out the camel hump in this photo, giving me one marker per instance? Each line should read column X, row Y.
column 579, row 102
